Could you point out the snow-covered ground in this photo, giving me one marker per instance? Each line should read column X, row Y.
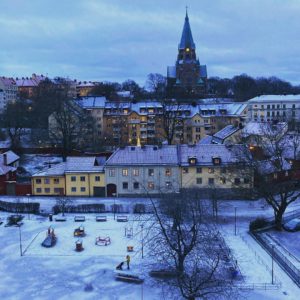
column 62, row 273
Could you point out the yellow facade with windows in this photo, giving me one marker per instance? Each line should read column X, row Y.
column 85, row 184
column 48, row 185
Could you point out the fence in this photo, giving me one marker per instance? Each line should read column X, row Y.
column 281, row 259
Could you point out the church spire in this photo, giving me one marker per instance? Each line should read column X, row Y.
column 186, row 37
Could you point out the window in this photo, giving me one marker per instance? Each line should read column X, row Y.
column 199, row 170
column 56, row 180
column 237, row 181
column 135, row 172
column 57, row 190
column 150, row 172
column 168, row 184
column 125, row 172
column 150, row 185
column 112, row 172
column 185, row 170
column 82, row 189
column 199, row 180
column 216, row 160
column 125, row 185
column 82, row 178
column 73, row 189
column 168, row 172
column 211, row 181
column 38, row 181
column 222, row 180
column 136, row 185
column 97, row 178
column 73, row 178
column 223, row 170
column 198, row 129
column 211, row 170
column 246, row 180
column 47, row 181
column 38, row 190
column 47, row 190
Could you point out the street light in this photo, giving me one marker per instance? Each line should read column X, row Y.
column 272, row 263
column 235, row 221
column 28, row 216
column 20, row 240
column 142, row 226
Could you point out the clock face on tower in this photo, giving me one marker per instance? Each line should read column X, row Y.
column 187, row 50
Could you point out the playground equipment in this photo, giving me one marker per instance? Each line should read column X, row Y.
column 79, row 246
column 103, row 241
column 14, row 220
column 50, row 239
column 79, row 232
column 128, row 232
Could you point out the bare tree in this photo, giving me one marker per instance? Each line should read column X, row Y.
column 156, row 83
column 274, row 178
column 63, row 203
column 185, row 240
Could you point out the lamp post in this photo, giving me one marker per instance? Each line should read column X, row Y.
column 235, row 221
column 272, row 263
column 28, row 216
column 142, row 226
column 20, row 240
column 114, row 195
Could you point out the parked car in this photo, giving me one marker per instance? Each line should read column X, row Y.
column 292, row 225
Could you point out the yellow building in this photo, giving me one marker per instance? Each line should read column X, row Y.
column 213, row 166
column 78, row 176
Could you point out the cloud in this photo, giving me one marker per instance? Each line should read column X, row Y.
column 116, row 40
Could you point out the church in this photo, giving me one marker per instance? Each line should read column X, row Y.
column 188, row 78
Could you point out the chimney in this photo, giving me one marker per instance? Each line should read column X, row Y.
column 5, row 159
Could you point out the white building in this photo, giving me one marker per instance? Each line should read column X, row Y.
column 10, row 89
column 274, row 107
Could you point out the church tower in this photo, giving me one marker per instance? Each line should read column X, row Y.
column 187, row 79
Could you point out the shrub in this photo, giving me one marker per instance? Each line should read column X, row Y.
column 258, row 223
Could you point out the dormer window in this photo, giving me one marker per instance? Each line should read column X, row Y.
column 216, row 160
column 192, row 160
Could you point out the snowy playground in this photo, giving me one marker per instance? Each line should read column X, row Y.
column 61, row 272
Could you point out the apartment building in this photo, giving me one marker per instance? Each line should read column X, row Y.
column 10, row 90
column 268, row 108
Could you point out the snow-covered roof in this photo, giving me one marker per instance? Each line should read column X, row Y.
column 91, row 102
column 145, row 155
column 266, row 167
column 224, row 133
column 5, row 169
column 74, row 164
column 11, row 157
column 26, row 82
column 264, row 128
column 85, row 84
column 206, row 140
column 275, row 98
column 205, row 153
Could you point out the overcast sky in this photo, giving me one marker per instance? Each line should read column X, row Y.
column 113, row 40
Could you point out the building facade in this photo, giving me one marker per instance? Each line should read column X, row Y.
column 268, row 108
column 78, row 176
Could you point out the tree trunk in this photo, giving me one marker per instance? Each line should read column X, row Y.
column 278, row 219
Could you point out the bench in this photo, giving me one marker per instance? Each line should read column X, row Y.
column 60, row 219
column 101, row 218
column 103, row 241
column 128, row 278
column 122, row 219
column 79, row 218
